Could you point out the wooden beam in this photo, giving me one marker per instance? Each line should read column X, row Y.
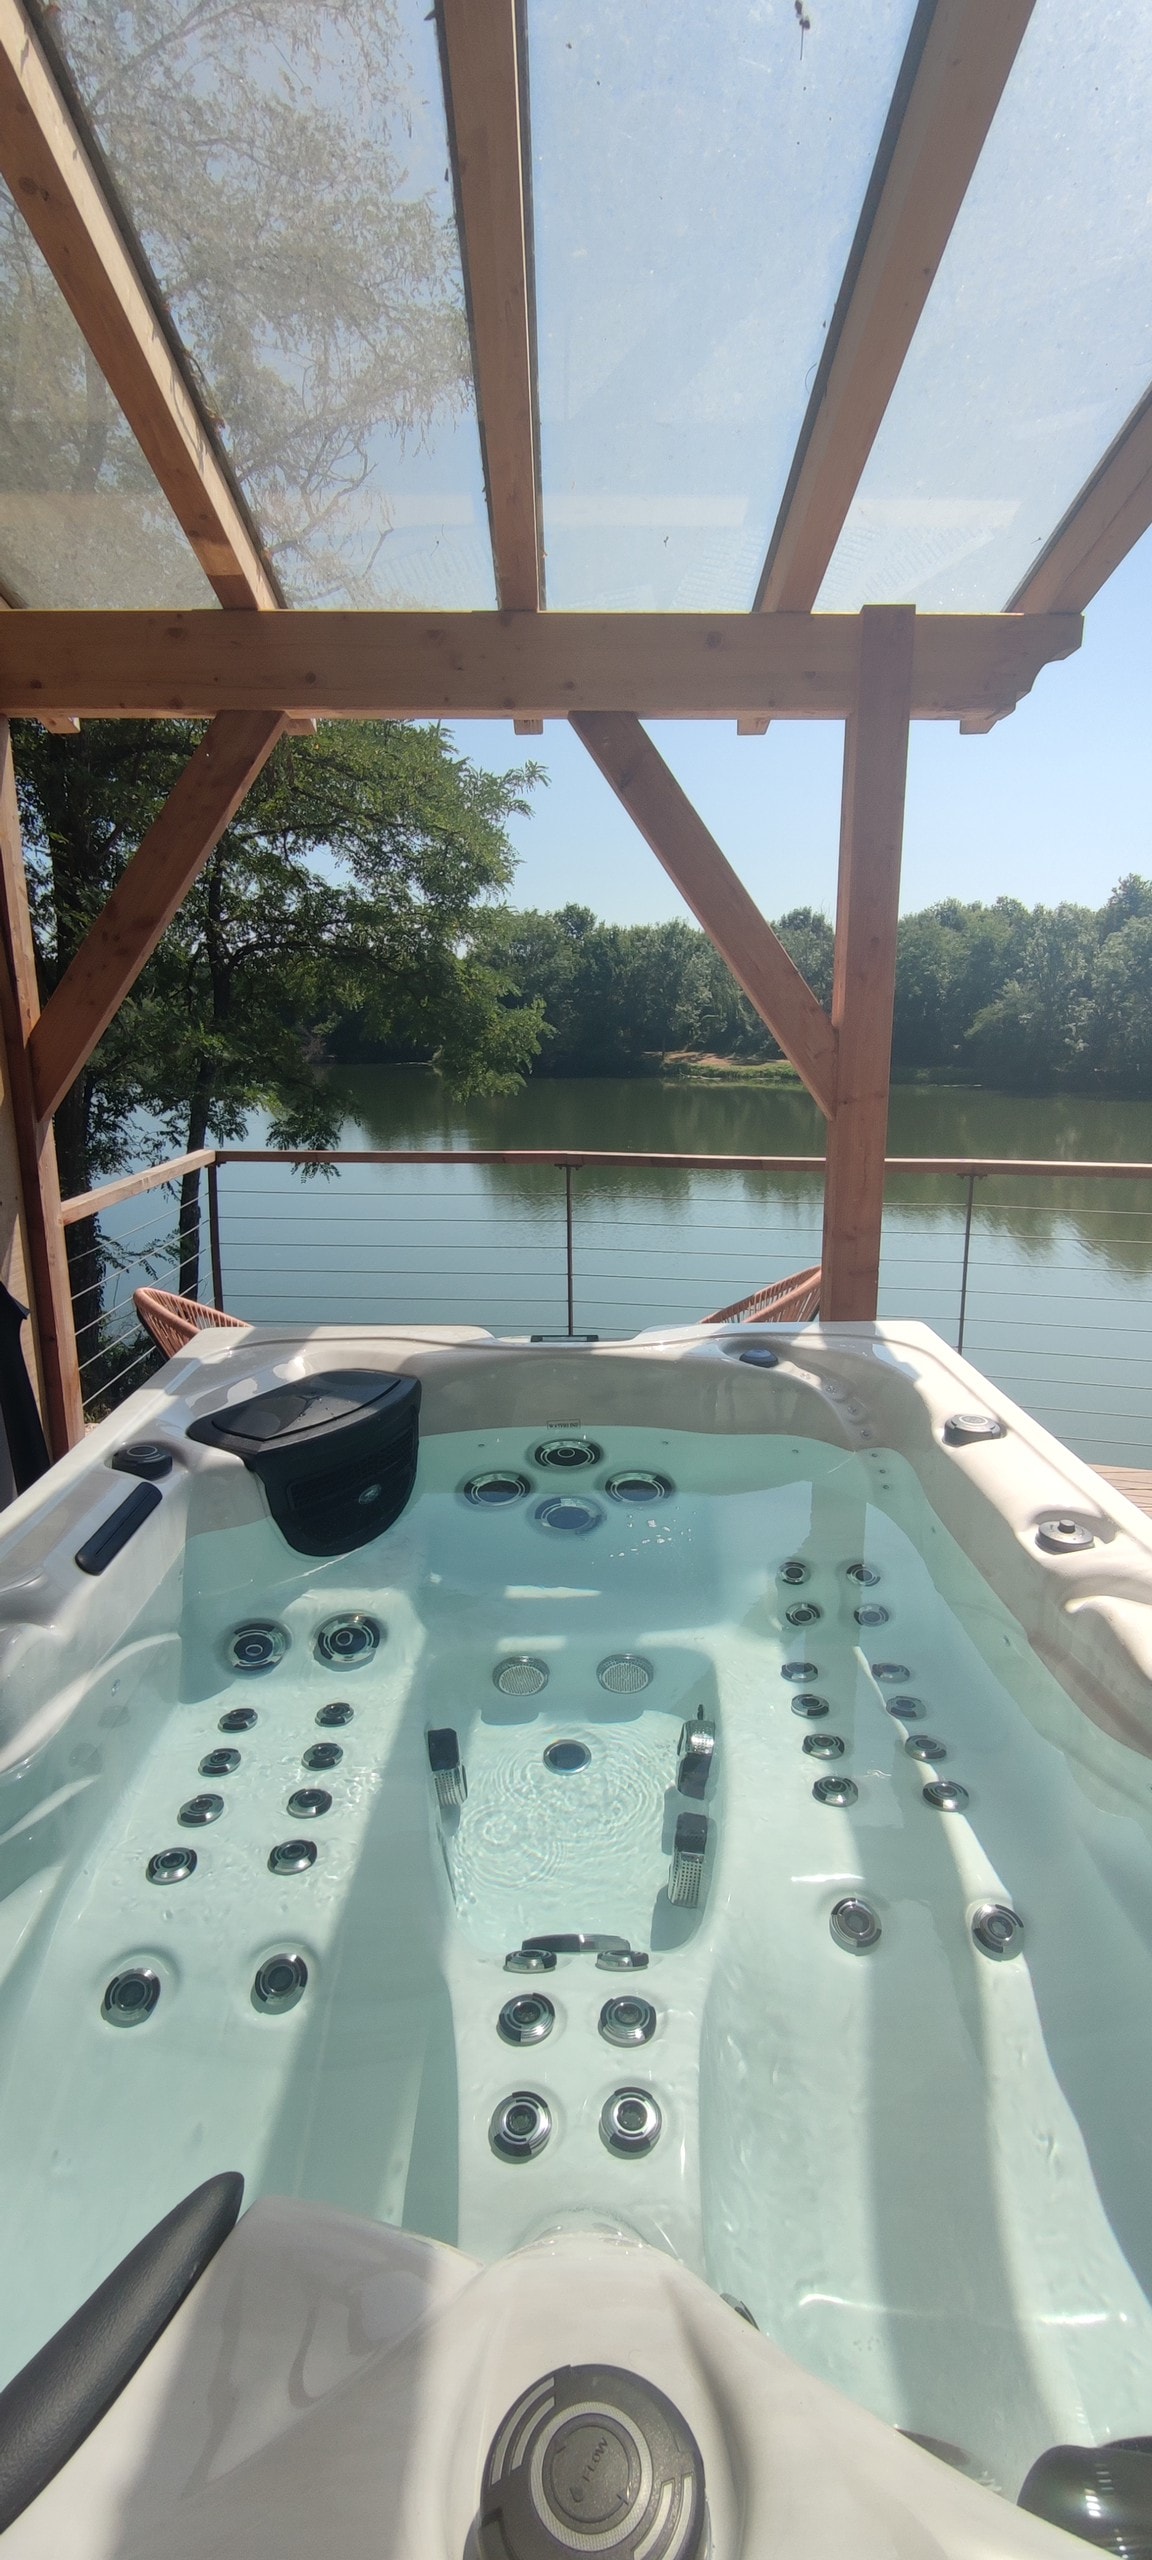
column 56, row 186
column 482, row 95
column 867, row 911
column 504, row 666
column 718, row 899
column 53, row 1327
column 960, row 55
column 129, row 1186
column 146, row 898
column 1101, row 526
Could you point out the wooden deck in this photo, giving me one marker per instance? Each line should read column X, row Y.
column 1134, row 1482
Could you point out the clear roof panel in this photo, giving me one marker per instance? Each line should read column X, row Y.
column 286, row 165
column 1036, row 342
column 697, row 174
column 82, row 521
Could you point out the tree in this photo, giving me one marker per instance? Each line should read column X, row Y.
column 235, row 1007
column 1119, row 1011
column 1032, row 1036
column 1030, row 999
column 951, row 960
column 810, row 941
column 616, row 995
column 276, row 160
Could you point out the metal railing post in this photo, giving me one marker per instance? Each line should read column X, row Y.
column 964, row 1264
column 568, row 1246
column 214, row 1235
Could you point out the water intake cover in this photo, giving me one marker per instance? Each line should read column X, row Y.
column 592, row 2459
column 336, row 1453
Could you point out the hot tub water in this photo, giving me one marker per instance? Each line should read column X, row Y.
column 911, row 2159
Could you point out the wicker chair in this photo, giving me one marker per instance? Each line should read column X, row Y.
column 173, row 1321
column 795, row 1300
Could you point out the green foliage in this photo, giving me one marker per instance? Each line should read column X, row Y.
column 267, row 955
column 346, row 889
column 614, row 995
column 1030, row 1000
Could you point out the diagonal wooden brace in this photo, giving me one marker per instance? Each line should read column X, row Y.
column 146, row 898
column 718, row 899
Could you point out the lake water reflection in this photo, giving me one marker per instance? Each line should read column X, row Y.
column 1060, row 1282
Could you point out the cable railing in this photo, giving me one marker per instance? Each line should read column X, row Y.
column 1039, row 1269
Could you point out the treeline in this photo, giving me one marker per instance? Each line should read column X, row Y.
column 1027, row 999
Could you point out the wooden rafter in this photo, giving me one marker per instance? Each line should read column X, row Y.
column 867, row 911
column 503, row 666
column 146, row 898
column 718, row 899
column 960, row 57
column 54, row 183
column 46, row 1258
column 482, row 92
column 1100, row 527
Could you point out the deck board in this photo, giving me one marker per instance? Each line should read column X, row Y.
column 1134, row 1482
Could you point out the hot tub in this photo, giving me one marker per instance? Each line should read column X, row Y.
column 708, row 1831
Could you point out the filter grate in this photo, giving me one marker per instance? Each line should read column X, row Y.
column 624, row 1673
column 521, row 1676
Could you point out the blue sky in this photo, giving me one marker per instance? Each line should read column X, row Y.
column 1055, row 803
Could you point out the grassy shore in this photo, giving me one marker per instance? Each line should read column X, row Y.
column 682, row 1068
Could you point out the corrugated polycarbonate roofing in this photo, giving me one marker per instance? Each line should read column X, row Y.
column 285, row 165
column 696, row 172
column 82, row 520
column 1036, row 342
column 697, row 176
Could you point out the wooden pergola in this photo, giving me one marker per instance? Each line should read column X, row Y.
column 254, row 667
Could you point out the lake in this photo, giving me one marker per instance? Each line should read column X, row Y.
column 1059, row 1307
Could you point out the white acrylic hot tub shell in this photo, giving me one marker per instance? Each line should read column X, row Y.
column 211, row 2447
column 1088, row 1615
column 332, row 2388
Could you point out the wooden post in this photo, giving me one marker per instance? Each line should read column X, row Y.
column 867, row 909
column 47, row 1259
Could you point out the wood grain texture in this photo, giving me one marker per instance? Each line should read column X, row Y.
column 1135, row 1483
column 146, row 898
column 927, row 161
column 46, row 1259
column 718, row 899
column 129, row 1186
column 868, row 905
column 1099, row 530
column 482, row 91
column 500, row 666
column 53, row 181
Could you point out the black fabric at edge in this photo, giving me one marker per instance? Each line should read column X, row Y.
column 27, row 1447
column 57, row 2399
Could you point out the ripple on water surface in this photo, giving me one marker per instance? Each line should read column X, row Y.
column 573, row 1849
